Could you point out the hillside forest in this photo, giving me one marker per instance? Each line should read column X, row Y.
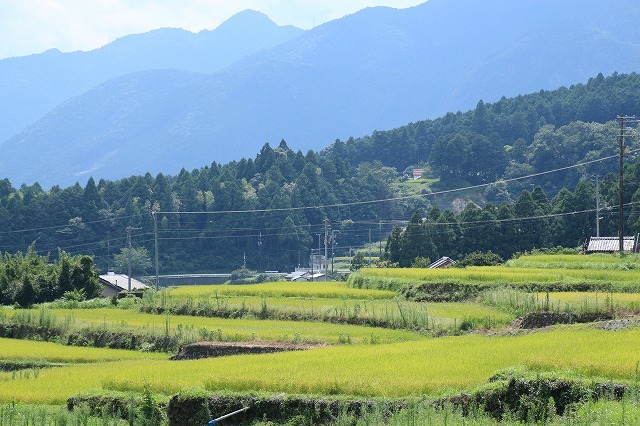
column 270, row 211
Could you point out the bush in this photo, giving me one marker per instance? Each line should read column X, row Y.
column 421, row 262
column 478, row 258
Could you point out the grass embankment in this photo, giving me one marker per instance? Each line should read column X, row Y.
column 360, row 308
column 190, row 329
column 331, row 290
column 427, row 367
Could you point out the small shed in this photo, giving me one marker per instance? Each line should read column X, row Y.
column 443, row 262
column 611, row 244
column 115, row 283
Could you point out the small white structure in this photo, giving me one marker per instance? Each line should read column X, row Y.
column 611, row 244
column 115, row 283
column 443, row 262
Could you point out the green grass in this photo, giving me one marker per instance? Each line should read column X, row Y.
column 45, row 415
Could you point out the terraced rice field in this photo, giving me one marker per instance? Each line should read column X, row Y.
column 426, row 367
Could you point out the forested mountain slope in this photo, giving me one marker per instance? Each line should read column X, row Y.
column 377, row 69
column 511, row 137
column 270, row 209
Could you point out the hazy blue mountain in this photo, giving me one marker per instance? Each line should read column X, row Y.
column 31, row 86
column 376, row 69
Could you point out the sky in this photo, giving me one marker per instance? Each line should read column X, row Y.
column 33, row 26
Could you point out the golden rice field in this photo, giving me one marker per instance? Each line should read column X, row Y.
column 31, row 350
column 114, row 319
column 282, row 289
column 594, row 299
column 426, row 367
column 440, row 315
column 496, row 276
column 577, row 261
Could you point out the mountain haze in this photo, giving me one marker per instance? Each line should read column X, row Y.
column 376, row 69
column 31, row 86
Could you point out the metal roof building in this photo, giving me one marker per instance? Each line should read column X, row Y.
column 115, row 283
column 611, row 244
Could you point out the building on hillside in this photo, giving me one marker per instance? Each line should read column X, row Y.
column 115, row 283
column 611, row 245
column 417, row 173
column 443, row 262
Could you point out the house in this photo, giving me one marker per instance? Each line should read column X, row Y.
column 443, row 262
column 115, row 283
column 417, row 173
column 611, row 244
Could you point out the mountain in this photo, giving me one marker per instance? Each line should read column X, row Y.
column 376, row 69
column 31, row 86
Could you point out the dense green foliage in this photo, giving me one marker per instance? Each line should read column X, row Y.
column 94, row 219
column 266, row 212
column 30, row 278
column 531, row 221
column 511, row 137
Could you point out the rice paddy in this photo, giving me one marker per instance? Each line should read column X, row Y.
column 485, row 277
column 428, row 367
column 394, row 313
column 282, row 289
column 14, row 349
column 191, row 328
column 403, row 360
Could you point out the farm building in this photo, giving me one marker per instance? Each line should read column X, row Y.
column 611, row 244
column 443, row 262
column 305, row 275
column 115, row 283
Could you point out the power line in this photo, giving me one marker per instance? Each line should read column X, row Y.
column 394, row 199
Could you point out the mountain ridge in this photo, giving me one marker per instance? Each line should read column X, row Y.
column 377, row 69
column 31, row 86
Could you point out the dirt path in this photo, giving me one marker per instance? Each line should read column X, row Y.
column 216, row 349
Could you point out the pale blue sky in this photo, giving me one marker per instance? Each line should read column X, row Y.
column 33, row 26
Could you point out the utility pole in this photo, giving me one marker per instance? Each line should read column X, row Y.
column 155, row 239
column 129, row 229
column 620, row 188
column 333, row 240
column 380, row 238
column 326, row 248
column 369, row 248
column 597, row 206
column 319, row 255
column 622, row 119
column 260, row 250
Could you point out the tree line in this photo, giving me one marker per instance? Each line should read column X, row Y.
column 532, row 221
column 263, row 211
column 30, row 278
column 511, row 137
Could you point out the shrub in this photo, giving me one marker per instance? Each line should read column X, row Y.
column 478, row 258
